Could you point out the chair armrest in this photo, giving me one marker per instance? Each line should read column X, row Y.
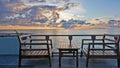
column 39, row 39
column 49, row 41
column 84, row 41
column 92, row 39
column 34, row 43
column 101, row 44
column 102, row 49
column 32, row 49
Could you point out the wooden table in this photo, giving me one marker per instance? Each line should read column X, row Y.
column 67, row 50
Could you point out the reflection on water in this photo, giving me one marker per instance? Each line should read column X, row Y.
column 71, row 31
column 68, row 31
column 7, row 48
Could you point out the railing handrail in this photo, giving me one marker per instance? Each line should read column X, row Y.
column 14, row 34
column 68, row 35
column 49, row 35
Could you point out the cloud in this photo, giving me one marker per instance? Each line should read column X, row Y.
column 74, row 11
column 98, row 20
column 71, row 9
column 44, row 2
column 68, row 16
column 71, row 6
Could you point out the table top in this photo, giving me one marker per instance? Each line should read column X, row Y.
column 67, row 46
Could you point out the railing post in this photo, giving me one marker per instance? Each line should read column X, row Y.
column 70, row 39
column 93, row 37
column 47, row 37
column 30, row 41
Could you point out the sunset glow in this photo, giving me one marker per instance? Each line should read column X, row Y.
column 60, row 13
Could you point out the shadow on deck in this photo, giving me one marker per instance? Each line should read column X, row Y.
column 10, row 61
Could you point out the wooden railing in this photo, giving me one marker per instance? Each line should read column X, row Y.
column 70, row 37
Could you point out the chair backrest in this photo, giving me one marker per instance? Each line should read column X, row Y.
column 26, row 38
column 112, row 38
column 23, row 38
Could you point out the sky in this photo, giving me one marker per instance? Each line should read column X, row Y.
column 101, row 8
column 85, row 9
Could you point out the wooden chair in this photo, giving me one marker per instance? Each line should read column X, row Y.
column 43, row 40
column 27, row 48
column 92, row 39
column 108, row 48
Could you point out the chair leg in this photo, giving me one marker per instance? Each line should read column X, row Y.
column 118, row 62
column 60, row 56
column 87, row 60
column 19, row 63
column 49, row 61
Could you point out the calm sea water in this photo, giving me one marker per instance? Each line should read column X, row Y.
column 9, row 45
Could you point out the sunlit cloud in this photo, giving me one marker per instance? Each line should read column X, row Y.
column 65, row 16
column 73, row 12
column 68, row 16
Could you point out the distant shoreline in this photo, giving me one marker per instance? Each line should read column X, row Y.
column 17, row 27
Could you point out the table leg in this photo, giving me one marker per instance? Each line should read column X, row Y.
column 59, row 58
column 76, row 58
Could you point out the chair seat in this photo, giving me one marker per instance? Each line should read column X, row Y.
column 35, row 53
column 100, row 52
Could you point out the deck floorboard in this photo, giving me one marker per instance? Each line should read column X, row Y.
column 10, row 61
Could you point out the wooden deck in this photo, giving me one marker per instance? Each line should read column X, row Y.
column 10, row 61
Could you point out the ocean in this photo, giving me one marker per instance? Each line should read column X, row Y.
column 10, row 45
